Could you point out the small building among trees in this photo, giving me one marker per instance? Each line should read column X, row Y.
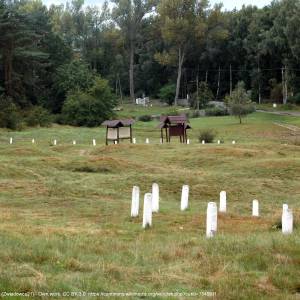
column 174, row 126
column 117, row 130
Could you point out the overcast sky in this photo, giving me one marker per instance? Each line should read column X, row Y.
column 228, row 4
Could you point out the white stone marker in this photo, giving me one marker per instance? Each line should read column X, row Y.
column 223, row 203
column 155, row 197
column 274, row 105
column 134, row 140
column 147, row 214
column 184, row 197
column 135, row 201
column 255, row 208
column 147, row 141
column 11, row 140
column 211, row 219
column 55, row 142
column 160, row 140
column 219, row 142
column 233, row 142
column 94, row 142
column 74, row 142
column 188, row 141
column 32, row 141
column 287, row 221
column 115, row 142
column 203, row 142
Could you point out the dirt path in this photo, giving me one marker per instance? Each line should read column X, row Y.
column 281, row 113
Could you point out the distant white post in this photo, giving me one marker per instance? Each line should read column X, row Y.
column 147, row 213
column 32, row 141
column 223, row 200
column 94, row 142
column 203, row 142
column 74, row 142
column 55, row 142
column 255, row 208
column 219, row 142
column 135, row 201
column 211, row 219
column 147, row 141
column 184, row 197
column 11, row 140
column 115, row 142
column 155, row 197
column 188, row 141
column 160, row 140
column 287, row 221
column 233, row 142
column 134, row 140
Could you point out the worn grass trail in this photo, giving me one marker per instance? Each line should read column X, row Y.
column 64, row 211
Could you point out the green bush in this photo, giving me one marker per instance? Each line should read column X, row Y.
column 38, row 116
column 89, row 108
column 216, row 111
column 9, row 114
column 207, row 135
column 167, row 93
column 204, row 96
column 145, row 118
column 295, row 99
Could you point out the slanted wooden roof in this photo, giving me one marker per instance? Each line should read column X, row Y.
column 167, row 121
column 173, row 119
column 118, row 123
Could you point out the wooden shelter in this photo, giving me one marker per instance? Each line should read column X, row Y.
column 174, row 126
column 117, row 130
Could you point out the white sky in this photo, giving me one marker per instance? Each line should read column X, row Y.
column 227, row 4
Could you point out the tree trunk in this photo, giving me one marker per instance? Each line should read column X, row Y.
column 218, row 90
column 131, row 65
column 180, row 62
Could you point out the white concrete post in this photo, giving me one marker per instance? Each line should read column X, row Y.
column 203, row 142
column 55, row 142
column 74, row 142
column 287, row 221
column 32, row 141
column 134, row 140
column 160, row 140
column 115, row 142
column 211, row 219
column 233, row 142
column 155, row 197
column 219, row 142
column 223, row 202
column 94, row 142
column 147, row 213
column 147, row 141
column 188, row 141
column 11, row 140
column 255, row 208
column 184, row 197
column 135, row 201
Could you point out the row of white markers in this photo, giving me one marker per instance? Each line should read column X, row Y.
column 147, row 141
column 151, row 205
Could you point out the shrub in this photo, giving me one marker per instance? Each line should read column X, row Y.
column 167, row 93
column 207, row 135
column 9, row 114
column 295, row 99
column 38, row 116
column 145, row 118
column 204, row 96
column 216, row 111
column 89, row 108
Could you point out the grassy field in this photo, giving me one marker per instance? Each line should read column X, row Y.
column 65, row 211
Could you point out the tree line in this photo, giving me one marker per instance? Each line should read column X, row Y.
column 143, row 47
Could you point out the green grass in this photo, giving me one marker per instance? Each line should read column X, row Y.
column 65, row 211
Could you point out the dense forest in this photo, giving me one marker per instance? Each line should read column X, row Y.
column 67, row 59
